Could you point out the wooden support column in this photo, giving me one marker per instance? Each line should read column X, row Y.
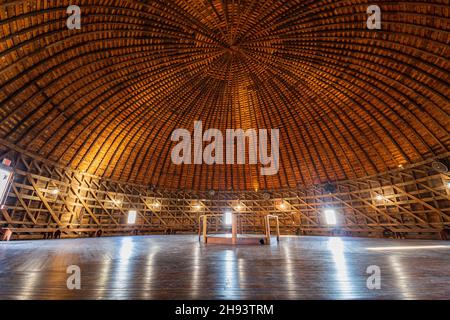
column 234, row 228
column 278, row 229
column 267, row 225
column 205, row 228
column 200, row 228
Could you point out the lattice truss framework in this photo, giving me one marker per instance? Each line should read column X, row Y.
column 415, row 200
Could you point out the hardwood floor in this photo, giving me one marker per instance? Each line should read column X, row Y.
column 179, row 267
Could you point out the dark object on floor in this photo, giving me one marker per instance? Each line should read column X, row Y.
column 5, row 234
column 57, row 234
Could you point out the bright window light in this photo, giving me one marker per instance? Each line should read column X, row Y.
column 228, row 218
column 132, row 217
column 330, row 216
column 5, row 180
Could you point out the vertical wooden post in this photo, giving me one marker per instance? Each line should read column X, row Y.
column 200, row 226
column 267, row 223
column 205, row 226
column 234, row 228
column 278, row 229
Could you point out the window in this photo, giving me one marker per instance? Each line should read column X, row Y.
column 330, row 216
column 5, row 181
column 132, row 217
column 228, row 218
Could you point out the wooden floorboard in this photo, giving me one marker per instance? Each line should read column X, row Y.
column 179, row 267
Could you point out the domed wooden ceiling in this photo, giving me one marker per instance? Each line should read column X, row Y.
column 348, row 101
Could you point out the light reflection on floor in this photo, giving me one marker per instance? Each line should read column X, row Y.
column 336, row 246
column 179, row 267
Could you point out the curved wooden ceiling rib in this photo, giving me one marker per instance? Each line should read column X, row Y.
column 349, row 102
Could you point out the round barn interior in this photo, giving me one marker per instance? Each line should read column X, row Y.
column 87, row 115
column 353, row 121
